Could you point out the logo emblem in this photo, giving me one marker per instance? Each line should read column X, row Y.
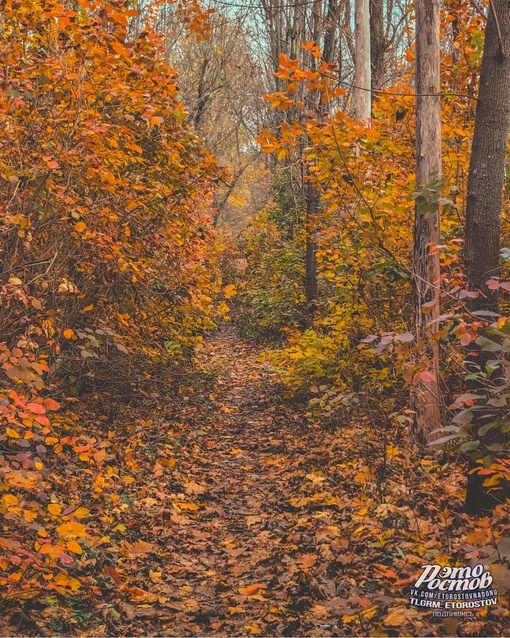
column 454, row 591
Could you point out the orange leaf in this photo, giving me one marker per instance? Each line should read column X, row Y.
column 51, row 404
column 74, row 547
column 36, row 408
column 250, row 590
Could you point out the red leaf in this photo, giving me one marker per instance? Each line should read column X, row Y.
column 425, row 377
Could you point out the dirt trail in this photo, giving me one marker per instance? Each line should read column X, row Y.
column 266, row 527
column 239, row 541
column 237, row 556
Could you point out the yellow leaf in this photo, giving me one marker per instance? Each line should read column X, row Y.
column 74, row 547
column 81, row 512
column 68, row 333
column 188, row 506
column 230, row 291
column 75, row 584
column 80, row 226
column 54, row 509
column 71, row 529
column 12, row 433
column 254, row 629
column 396, row 618
column 10, row 499
column 169, row 463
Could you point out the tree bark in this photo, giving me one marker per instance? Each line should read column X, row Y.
column 485, row 184
column 487, row 164
column 362, row 71
column 312, row 205
column 377, row 43
column 425, row 396
column 330, row 31
column 312, row 195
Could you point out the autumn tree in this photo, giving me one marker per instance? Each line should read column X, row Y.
column 106, row 247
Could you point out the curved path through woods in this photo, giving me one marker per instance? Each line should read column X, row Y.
column 265, row 527
column 242, row 563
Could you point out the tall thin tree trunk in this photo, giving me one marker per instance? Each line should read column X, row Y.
column 362, row 71
column 312, row 195
column 377, row 43
column 485, row 182
column 425, row 396
column 330, row 31
column 312, row 205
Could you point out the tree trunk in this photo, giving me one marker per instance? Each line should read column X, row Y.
column 485, row 182
column 487, row 165
column 377, row 43
column 311, row 287
column 425, row 396
column 312, row 195
column 330, row 32
column 362, row 74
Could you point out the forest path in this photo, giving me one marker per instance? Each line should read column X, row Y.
column 235, row 556
column 247, row 534
column 259, row 525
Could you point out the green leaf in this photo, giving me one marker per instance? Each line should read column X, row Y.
column 469, row 446
column 487, row 345
column 482, row 431
column 463, row 417
column 488, row 460
column 445, row 439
